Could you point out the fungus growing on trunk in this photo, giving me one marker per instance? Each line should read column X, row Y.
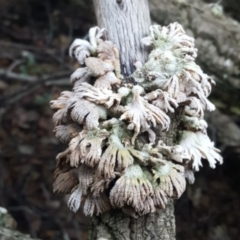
column 104, row 119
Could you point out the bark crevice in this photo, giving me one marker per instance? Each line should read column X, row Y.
column 117, row 225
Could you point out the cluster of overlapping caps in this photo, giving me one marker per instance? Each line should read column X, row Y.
column 102, row 120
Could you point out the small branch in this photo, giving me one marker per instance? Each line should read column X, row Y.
column 14, row 64
column 59, row 79
column 16, row 76
column 40, row 51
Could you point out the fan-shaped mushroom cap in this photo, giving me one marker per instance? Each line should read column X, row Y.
column 96, row 205
column 199, row 146
column 107, row 81
column 65, row 182
column 98, row 67
column 66, row 133
column 132, row 189
column 80, row 75
column 171, row 177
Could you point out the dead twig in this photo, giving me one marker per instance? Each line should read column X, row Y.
column 58, row 79
column 5, row 73
column 39, row 51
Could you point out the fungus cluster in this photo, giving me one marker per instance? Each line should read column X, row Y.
column 104, row 118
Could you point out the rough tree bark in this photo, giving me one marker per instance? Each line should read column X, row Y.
column 127, row 21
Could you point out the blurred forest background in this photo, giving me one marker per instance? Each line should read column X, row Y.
column 35, row 68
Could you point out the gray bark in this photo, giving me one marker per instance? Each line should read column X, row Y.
column 118, row 226
column 127, row 21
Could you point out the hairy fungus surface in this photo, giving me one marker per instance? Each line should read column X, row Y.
column 103, row 119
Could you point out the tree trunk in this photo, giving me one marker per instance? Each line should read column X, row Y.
column 116, row 225
column 126, row 22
